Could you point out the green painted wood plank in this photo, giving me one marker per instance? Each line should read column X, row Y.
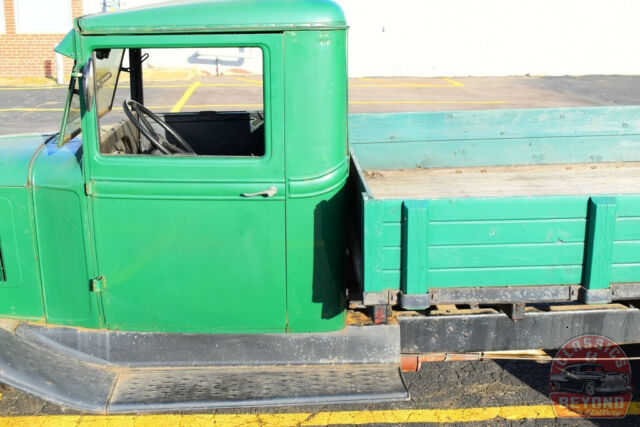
column 512, row 208
column 500, row 232
column 495, row 208
column 495, row 232
column 488, row 124
column 392, row 210
column 373, row 237
column 498, row 152
column 392, row 235
column 391, row 279
column 415, row 241
column 545, row 275
column 392, row 258
column 628, row 205
column 545, row 254
column 627, row 229
column 626, row 252
column 559, row 275
column 625, row 273
column 484, row 256
column 599, row 244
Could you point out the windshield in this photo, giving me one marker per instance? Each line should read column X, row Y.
column 107, row 70
column 72, row 114
column 108, row 63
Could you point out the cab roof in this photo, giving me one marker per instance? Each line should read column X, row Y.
column 217, row 16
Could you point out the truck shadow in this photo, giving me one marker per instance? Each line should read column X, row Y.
column 329, row 256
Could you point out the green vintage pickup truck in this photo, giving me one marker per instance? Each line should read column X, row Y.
column 294, row 254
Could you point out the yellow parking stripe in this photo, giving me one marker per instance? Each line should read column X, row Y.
column 185, row 97
column 382, row 83
column 453, row 82
column 29, row 110
column 244, row 79
column 394, row 417
column 33, row 87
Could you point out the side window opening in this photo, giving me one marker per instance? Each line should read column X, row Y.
column 196, row 102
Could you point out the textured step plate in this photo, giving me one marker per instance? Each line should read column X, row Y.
column 234, row 387
column 107, row 372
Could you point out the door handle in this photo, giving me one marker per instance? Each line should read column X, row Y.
column 269, row 192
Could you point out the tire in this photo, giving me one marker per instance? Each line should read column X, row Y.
column 589, row 388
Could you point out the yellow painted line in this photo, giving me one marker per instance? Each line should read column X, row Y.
column 34, row 87
column 244, row 79
column 453, row 82
column 185, row 97
column 324, row 418
column 381, row 83
column 417, row 102
column 29, row 110
column 230, row 85
column 367, row 79
column 222, row 105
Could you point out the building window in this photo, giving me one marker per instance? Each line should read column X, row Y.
column 31, row 20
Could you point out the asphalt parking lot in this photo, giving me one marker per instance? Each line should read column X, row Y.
column 506, row 392
column 39, row 109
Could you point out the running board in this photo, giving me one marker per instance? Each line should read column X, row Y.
column 106, row 372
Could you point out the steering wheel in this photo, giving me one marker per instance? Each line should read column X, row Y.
column 157, row 140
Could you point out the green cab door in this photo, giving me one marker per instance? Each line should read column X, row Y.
column 194, row 243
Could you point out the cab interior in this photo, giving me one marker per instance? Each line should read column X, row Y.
column 128, row 130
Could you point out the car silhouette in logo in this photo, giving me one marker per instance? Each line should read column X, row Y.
column 590, row 379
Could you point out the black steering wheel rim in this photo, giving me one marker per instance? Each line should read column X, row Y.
column 157, row 140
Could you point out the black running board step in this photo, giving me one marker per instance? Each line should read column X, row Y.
column 237, row 387
column 71, row 378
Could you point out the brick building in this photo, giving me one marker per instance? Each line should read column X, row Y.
column 29, row 29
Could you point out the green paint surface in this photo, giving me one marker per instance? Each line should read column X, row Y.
column 148, row 243
column 499, row 241
column 496, row 137
column 218, row 16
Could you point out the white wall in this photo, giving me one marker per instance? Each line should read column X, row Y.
column 488, row 37
column 492, row 37
column 31, row 18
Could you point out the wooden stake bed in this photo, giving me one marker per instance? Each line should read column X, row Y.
column 504, row 181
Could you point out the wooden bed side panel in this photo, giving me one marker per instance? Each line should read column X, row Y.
column 626, row 247
column 496, row 137
column 498, row 242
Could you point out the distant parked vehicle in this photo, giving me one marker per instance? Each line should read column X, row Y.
column 590, row 379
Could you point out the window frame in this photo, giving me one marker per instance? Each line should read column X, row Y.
column 117, row 81
column 201, row 168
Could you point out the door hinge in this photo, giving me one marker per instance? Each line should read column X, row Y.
column 88, row 188
column 98, row 284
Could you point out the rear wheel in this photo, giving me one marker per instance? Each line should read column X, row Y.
column 590, row 388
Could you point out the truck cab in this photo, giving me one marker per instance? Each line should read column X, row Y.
column 204, row 221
